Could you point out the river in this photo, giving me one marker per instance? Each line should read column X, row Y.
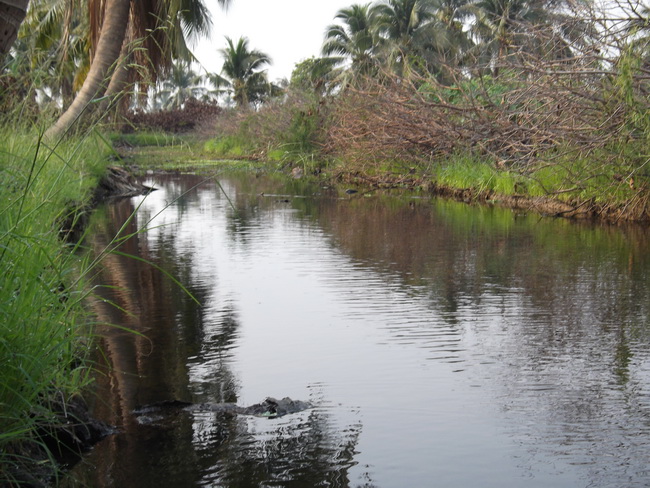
column 440, row 344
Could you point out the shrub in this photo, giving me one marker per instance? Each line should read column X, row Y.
column 195, row 115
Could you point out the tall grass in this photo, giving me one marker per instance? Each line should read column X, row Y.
column 479, row 174
column 147, row 138
column 42, row 318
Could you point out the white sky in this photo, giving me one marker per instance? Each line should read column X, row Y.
column 289, row 31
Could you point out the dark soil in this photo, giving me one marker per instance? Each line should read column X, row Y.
column 56, row 446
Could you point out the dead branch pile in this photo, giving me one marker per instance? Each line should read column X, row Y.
column 517, row 120
column 193, row 116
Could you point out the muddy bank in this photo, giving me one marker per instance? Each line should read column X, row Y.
column 117, row 182
column 58, row 445
column 637, row 211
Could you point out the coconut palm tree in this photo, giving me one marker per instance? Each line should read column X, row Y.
column 318, row 75
column 504, row 28
column 158, row 34
column 242, row 68
column 109, row 45
column 448, row 40
column 54, row 38
column 181, row 84
column 405, row 26
column 111, row 29
column 353, row 40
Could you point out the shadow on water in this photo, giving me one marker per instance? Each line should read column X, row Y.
column 475, row 346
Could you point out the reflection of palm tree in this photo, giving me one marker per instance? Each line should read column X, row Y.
column 311, row 451
column 242, row 71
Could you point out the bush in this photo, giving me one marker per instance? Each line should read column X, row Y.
column 195, row 115
column 291, row 127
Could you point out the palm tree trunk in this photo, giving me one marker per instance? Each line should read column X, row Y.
column 116, row 90
column 116, row 19
column 12, row 13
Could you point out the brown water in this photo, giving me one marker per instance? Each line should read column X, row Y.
column 442, row 345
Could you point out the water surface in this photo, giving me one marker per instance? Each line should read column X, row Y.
column 441, row 344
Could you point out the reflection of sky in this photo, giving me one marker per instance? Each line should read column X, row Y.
column 456, row 399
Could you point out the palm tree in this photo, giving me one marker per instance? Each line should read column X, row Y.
column 180, row 85
column 54, row 38
column 109, row 44
column 242, row 70
column 317, row 75
column 504, row 28
column 352, row 40
column 405, row 27
column 111, row 29
column 448, row 40
column 12, row 14
column 157, row 35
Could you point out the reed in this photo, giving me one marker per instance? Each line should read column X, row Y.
column 43, row 325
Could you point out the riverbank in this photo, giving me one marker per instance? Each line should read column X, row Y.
column 463, row 179
column 46, row 330
column 547, row 141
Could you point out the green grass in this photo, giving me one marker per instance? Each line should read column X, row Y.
column 566, row 178
column 604, row 176
column 228, row 146
column 477, row 174
column 139, row 139
column 43, row 325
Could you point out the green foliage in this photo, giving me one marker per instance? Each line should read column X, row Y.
column 228, row 146
column 315, row 75
column 276, row 155
column 480, row 90
column 480, row 175
column 139, row 139
column 569, row 178
column 630, row 86
column 302, row 132
column 42, row 319
column 575, row 176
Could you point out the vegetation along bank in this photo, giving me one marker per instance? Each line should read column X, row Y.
column 44, row 329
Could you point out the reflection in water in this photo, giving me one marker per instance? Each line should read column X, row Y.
column 443, row 345
column 167, row 344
